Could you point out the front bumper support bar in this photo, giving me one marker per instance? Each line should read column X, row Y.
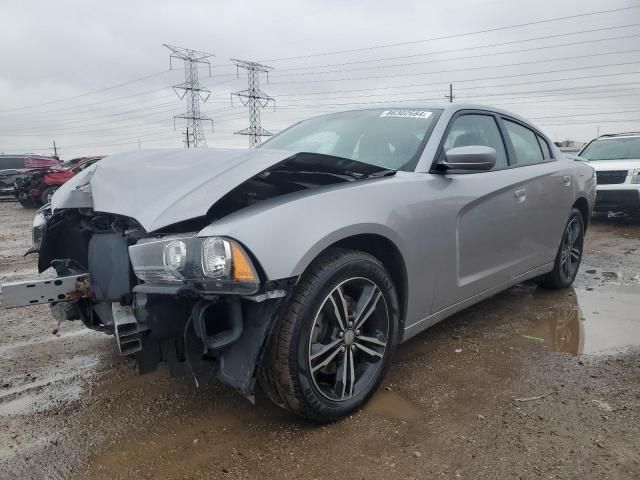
column 61, row 289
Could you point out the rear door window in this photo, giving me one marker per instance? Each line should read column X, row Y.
column 525, row 144
column 11, row 162
column 546, row 152
column 477, row 129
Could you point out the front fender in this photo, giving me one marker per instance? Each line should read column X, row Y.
column 285, row 234
column 342, row 233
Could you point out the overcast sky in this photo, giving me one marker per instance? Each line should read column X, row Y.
column 570, row 76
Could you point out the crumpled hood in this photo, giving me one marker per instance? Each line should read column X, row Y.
column 162, row 187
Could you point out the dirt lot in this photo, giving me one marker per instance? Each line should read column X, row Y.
column 528, row 384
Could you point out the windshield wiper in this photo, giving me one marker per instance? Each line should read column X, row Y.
column 382, row 173
column 364, row 176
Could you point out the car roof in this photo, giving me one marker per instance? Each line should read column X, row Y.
column 620, row 135
column 446, row 107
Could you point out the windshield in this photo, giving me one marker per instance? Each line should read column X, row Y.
column 621, row 148
column 392, row 138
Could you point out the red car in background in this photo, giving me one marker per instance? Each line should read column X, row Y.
column 15, row 166
column 36, row 187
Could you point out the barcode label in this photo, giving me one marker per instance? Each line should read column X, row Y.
column 405, row 113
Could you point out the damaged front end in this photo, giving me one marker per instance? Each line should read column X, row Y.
column 140, row 268
column 27, row 187
column 194, row 303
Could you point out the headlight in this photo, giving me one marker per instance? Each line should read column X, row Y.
column 213, row 264
column 635, row 175
column 175, row 255
column 37, row 232
column 216, row 257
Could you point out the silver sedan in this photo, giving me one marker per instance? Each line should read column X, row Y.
column 302, row 264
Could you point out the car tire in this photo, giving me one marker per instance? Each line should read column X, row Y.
column 27, row 203
column 346, row 306
column 45, row 196
column 569, row 254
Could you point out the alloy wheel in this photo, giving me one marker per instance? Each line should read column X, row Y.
column 348, row 339
column 571, row 250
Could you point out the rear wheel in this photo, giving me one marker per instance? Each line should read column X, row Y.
column 336, row 338
column 569, row 254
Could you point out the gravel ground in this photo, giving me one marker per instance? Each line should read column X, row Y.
column 528, row 384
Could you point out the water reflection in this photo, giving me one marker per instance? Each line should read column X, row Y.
column 562, row 331
column 591, row 322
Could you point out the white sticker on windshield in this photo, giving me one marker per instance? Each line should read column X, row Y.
column 406, row 113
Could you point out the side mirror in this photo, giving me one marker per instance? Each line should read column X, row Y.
column 473, row 157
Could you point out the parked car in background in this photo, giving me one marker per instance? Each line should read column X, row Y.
column 616, row 159
column 13, row 167
column 35, row 187
column 303, row 263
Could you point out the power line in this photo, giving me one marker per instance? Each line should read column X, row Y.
column 554, row 92
column 411, row 64
column 463, row 89
column 133, row 138
column 368, row 48
column 119, row 122
column 93, row 92
column 395, row 75
column 584, row 114
column 458, row 35
column 476, row 47
column 162, row 89
column 591, row 122
column 390, row 66
column 362, row 61
column 559, row 91
column 491, row 86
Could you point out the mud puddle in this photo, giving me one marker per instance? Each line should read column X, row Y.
column 391, row 405
column 592, row 322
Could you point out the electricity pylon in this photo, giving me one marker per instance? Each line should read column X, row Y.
column 255, row 99
column 193, row 92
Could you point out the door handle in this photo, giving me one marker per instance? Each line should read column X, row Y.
column 521, row 195
column 567, row 180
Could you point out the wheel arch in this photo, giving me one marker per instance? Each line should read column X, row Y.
column 582, row 206
column 389, row 254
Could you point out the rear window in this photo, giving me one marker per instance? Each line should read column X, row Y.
column 621, row 148
column 546, row 152
column 525, row 144
column 39, row 162
column 11, row 162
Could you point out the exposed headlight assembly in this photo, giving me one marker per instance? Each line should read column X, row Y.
column 635, row 175
column 39, row 226
column 212, row 264
column 39, row 222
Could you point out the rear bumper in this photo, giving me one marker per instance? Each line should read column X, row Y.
column 622, row 197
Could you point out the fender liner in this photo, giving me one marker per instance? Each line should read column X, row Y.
column 238, row 363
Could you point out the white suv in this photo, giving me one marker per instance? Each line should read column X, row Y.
column 616, row 159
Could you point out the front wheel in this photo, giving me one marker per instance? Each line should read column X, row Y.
column 336, row 338
column 569, row 254
column 27, row 202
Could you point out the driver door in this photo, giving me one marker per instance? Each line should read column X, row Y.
column 483, row 218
